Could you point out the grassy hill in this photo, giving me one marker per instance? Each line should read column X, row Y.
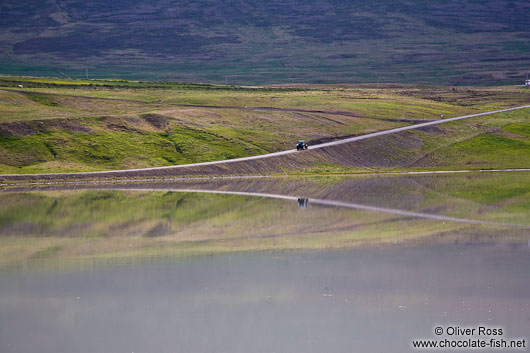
column 52, row 125
column 258, row 42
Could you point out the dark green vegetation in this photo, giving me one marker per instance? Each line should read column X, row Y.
column 114, row 143
column 44, row 223
column 52, row 125
column 258, row 42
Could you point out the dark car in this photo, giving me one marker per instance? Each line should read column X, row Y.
column 301, row 145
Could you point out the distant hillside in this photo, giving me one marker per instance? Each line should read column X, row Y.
column 248, row 42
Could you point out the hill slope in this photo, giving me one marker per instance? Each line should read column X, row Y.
column 52, row 126
column 413, row 41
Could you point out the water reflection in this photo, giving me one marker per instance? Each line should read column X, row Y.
column 302, row 202
column 132, row 267
column 210, row 216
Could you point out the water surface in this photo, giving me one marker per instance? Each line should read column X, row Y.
column 368, row 300
column 262, row 265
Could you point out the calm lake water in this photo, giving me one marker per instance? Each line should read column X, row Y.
column 272, row 265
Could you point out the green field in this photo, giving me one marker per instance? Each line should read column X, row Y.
column 52, row 125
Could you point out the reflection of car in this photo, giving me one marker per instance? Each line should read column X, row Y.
column 301, row 145
column 302, row 203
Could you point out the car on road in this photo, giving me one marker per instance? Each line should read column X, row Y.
column 301, row 145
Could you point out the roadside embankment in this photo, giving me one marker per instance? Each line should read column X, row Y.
column 383, row 152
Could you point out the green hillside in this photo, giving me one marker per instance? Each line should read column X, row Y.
column 52, row 125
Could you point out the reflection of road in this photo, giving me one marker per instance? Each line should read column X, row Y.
column 455, row 171
column 342, row 204
column 281, row 153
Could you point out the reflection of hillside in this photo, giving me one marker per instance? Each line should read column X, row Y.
column 128, row 219
column 479, row 195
